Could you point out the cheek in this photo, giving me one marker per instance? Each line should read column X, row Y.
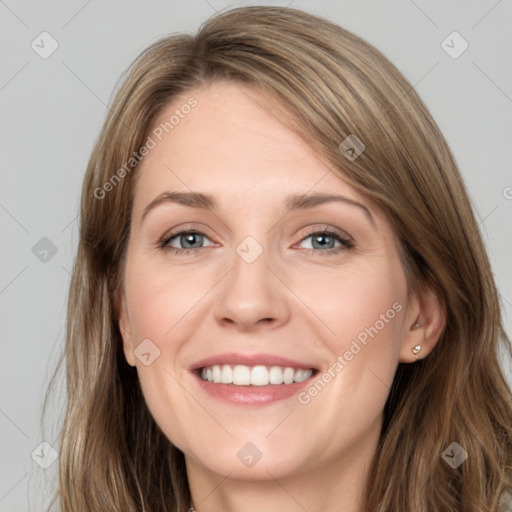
column 161, row 309
column 162, row 298
column 361, row 324
column 360, row 302
column 359, row 314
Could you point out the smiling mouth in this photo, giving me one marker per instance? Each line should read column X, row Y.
column 258, row 375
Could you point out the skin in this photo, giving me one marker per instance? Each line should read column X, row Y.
column 288, row 302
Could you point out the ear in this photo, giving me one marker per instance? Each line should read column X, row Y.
column 425, row 322
column 124, row 325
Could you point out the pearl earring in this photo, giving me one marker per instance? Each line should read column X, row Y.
column 416, row 349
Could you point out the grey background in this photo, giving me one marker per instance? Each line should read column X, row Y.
column 51, row 112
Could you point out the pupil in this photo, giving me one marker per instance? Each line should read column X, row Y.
column 320, row 237
column 190, row 237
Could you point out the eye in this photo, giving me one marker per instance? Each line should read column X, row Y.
column 187, row 241
column 324, row 242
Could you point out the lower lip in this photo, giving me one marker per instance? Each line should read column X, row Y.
column 251, row 395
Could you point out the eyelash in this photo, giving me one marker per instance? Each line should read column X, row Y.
column 346, row 243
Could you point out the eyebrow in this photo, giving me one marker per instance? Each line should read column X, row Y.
column 293, row 203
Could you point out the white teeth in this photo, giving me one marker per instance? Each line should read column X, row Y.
column 259, row 376
column 288, row 375
column 241, row 375
column 216, row 374
column 301, row 375
column 226, row 377
column 276, row 375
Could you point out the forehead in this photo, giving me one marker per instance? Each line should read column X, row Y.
column 231, row 145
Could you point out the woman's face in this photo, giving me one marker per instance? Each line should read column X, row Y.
column 262, row 281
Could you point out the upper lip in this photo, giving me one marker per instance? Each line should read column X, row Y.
column 234, row 358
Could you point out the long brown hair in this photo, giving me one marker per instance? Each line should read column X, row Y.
column 332, row 84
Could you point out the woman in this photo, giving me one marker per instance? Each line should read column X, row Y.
column 329, row 341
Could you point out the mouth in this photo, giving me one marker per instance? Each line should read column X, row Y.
column 250, row 379
column 254, row 376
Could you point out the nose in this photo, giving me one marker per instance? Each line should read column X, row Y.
column 252, row 295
